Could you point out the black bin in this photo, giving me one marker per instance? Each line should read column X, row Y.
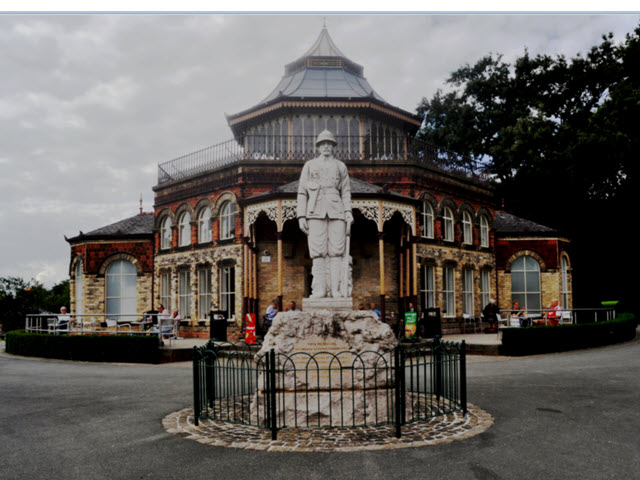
column 218, row 325
column 432, row 322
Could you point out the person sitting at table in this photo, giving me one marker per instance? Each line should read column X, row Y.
column 372, row 307
column 63, row 319
column 552, row 315
column 490, row 315
column 519, row 313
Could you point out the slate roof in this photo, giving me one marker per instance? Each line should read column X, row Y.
column 358, row 188
column 138, row 225
column 508, row 224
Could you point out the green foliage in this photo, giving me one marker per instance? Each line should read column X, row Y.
column 561, row 138
column 19, row 298
column 547, row 339
column 92, row 348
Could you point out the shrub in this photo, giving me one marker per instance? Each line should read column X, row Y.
column 93, row 348
column 547, row 339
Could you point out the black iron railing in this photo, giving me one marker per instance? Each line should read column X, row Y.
column 324, row 389
column 350, row 149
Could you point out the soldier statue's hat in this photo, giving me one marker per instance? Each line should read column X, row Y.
column 326, row 136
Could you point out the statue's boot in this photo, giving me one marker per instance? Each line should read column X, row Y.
column 336, row 272
column 319, row 282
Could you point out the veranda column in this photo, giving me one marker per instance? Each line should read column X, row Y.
column 245, row 280
column 280, row 259
column 381, row 257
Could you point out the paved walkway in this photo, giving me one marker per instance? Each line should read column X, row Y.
column 441, row 429
column 563, row 416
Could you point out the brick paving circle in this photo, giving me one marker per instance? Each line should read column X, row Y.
column 437, row 430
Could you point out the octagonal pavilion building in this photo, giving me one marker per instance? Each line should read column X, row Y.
column 427, row 229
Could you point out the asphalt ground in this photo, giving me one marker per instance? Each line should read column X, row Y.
column 561, row 416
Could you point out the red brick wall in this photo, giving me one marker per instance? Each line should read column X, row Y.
column 94, row 253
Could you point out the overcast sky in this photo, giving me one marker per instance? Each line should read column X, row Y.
column 90, row 104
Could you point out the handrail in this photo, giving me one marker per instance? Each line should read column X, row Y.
column 89, row 323
column 350, row 149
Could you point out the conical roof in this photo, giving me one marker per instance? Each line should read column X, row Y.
column 323, row 72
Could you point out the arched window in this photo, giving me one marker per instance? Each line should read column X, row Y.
column 525, row 282
column 484, row 231
column 121, row 279
column 467, row 230
column 227, row 221
column 204, row 225
column 448, row 225
column 426, row 228
column 184, row 230
column 166, row 233
column 79, row 289
column 565, row 281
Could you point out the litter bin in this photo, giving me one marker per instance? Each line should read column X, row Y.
column 432, row 322
column 218, row 325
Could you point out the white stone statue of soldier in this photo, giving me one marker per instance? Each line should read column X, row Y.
column 324, row 215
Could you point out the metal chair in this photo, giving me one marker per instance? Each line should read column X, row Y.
column 167, row 327
column 566, row 317
column 112, row 323
column 470, row 319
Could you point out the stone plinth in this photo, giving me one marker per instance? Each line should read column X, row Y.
column 333, row 368
column 339, row 304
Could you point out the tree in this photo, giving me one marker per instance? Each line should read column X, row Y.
column 19, row 298
column 560, row 136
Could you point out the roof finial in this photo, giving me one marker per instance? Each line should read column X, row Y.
column 141, row 204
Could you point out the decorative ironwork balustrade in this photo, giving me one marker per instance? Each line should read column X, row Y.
column 350, row 149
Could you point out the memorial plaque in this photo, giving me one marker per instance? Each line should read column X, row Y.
column 321, row 362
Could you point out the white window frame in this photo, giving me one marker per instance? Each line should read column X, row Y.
column 427, row 287
column 484, row 231
column 184, row 294
column 166, row 233
column 184, row 230
column 426, row 229
column 204, row 225
column 79, row 290
column 467, row 292
column 485, row 287
column 165, row 290
column 531, row 288
column 448, row 292
column 448, row 234
column 204, row 293
column 467, row 229
column 227, row 290
column 127, row 297
column 564, row 268
column 227, row 220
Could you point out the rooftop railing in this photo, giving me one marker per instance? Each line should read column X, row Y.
column 350, row 149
